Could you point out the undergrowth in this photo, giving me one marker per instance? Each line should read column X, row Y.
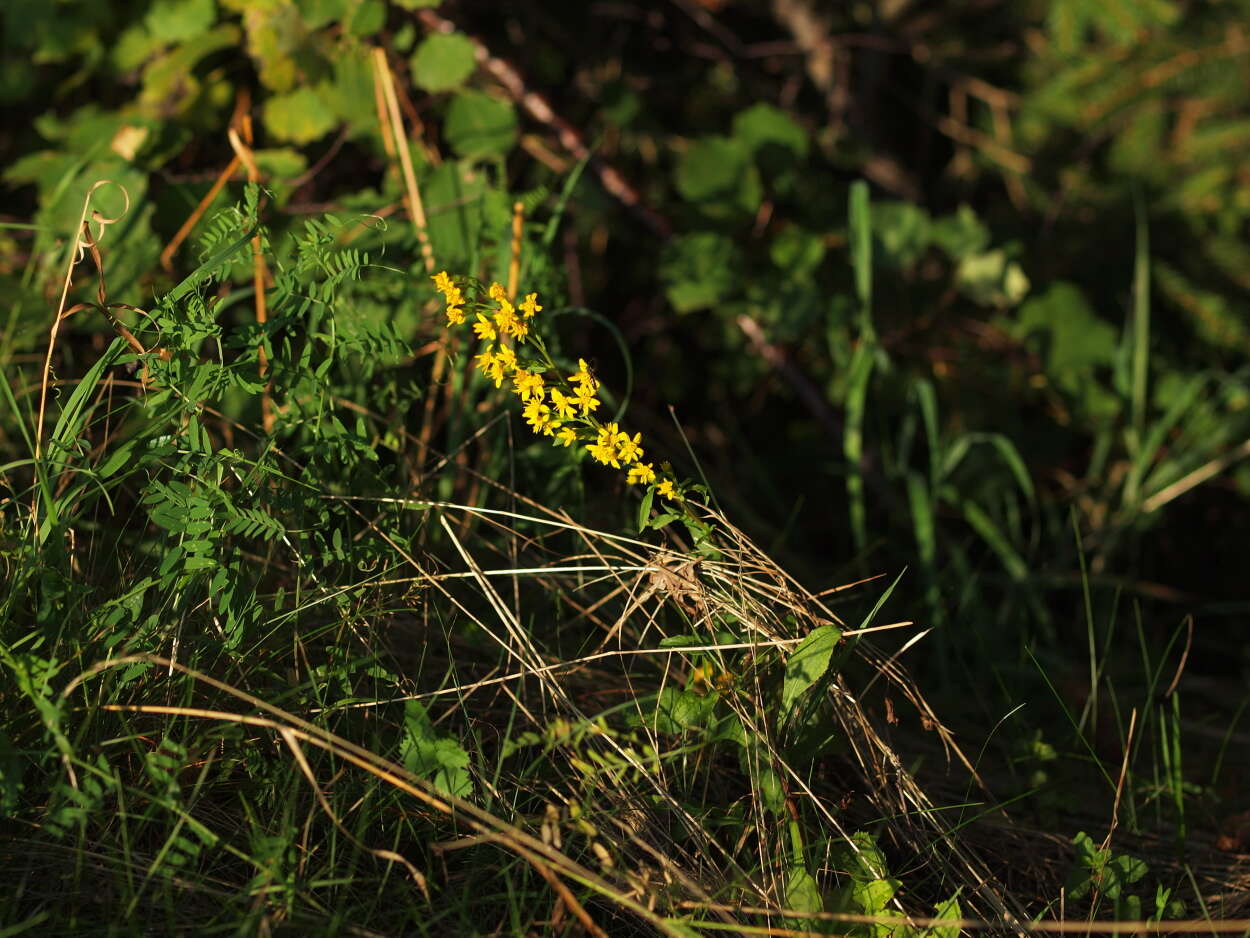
column 306, row 628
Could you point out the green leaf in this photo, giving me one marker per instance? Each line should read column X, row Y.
column 443, row 61
column 948, row 909
column 699, row 270
column 961, row 234
column 299, row 117
column 479, row 125
column 711, row 168
column 803, row 895
column 992, row 279
column 808, row 662
column 797, row 251
column 180, row 20
column 644, row 508
column 366, row 18
column 902, row 230
column 281, row 163
column 440, row 759
column 764, row 126
column 860, row 223
column 677, row 710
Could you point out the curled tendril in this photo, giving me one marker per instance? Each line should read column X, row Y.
column 85, row 239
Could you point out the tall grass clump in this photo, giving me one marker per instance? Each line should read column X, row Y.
column 285, row 649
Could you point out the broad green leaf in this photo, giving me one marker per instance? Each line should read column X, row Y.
column 439, row 759
column 699, row 270
column 677, row 710
column 711, row 168
column 874, row 896
column 797, row 251
column 949, row 910
column 762, row 125
column 961, row 234
column 318, row 13
column 1061, row 324
column 365, row 18
column 902, row 230
column 803, row 895
column 808, row 662
column 281, row 163
column 299, row 117
column 479, row 125
column 443, row 61
column 454, row 204
column 180, row 20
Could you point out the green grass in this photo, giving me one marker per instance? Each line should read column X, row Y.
column 265, row 681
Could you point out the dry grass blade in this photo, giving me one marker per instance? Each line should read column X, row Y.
column 292, row 728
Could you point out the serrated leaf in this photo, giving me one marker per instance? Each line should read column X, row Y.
column 949, row 910
column 440, row 759
column 443, row 61
column 479, row 125
column 808, row 662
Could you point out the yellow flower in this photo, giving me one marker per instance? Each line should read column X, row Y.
column 562, row 403
column 628, row 449
column 455, row 299
column 498, row 293
column 566, row 436
column 665, row 488
column 529, row 306
column 586, row 399
column 583, row 378
column 603, row 449
column 604, row 454
column 538, row 415
column 528, row 385
column 492, row 364
column 484, row 329
column 642, row 473
column 507, row 358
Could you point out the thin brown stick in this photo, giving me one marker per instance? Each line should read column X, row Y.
column 1180, row 668
column 416, row 209
column 292, row 742
column 1119, row 787
column 563, row 891
column 75, row 255
column 167, row 255
column 260, row 271
column 541, row 110
column 1176, row 926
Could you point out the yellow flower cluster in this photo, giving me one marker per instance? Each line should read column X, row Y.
column 455, row 299
column 562, row 409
